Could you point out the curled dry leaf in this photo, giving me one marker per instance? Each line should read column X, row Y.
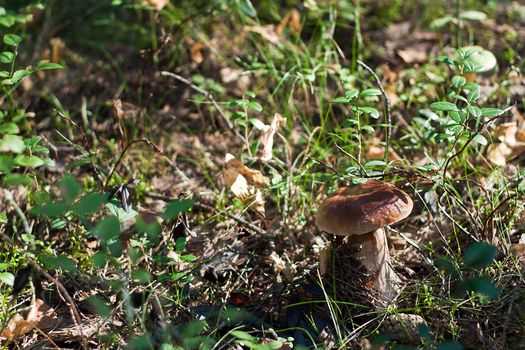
column 266, row 31
column 244, row 182
column 512, row 143
column 413, row 54
column 272, row 33
column 40, row 315
column 324, row 249
column 240, row 82
column 57, row 46
column 158, row 4
column 267, row 137
column 282, row 266
column 196, row 52
column 293, row 20
column 374, row 150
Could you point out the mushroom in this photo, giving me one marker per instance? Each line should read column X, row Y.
column 361, row 212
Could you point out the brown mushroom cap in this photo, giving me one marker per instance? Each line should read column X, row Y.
column 363, row 208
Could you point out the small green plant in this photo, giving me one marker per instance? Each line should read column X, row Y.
column 355, row 125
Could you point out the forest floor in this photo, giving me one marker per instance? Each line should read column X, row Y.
column 186, row 151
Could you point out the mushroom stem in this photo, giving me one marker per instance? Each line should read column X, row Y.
column 375, row 258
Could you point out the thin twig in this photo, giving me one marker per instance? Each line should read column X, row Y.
column 96, row 172
column 388, row 117
column 47, row 337
column 9, row 197
column 325, row 165
column 148, row 142
column 354, row 159
column 471, row 137
column 209, row 96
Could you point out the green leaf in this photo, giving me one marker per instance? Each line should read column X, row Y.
column 3, row 218
column 6, row 163
column 173, row 209
column 479, row 255
column 89, row 203
column 120, row 213
column 340, row 100
column 349, row 95
column 348, row 123
column 7, row 278
column 51, row 210
column 458, row 117
column 108, row 228
column 458, row 81
column 58, row 262
column 481, row 285
column 491, row 112
column 446, row 265
column 475, row 111
column 9, row 128
column 12, row 39
column 15, row 179
column 12, row 143
column 471, row 86
column 370, row 92
column 100, row 259
column 258, row 124
column 473, row 15
column 440, row 22
column 480, row 139
column 100, row 306
column 243, row 336
column 473, row 96
column 29, row 161
column 70, row 188
column 180, row 244
column 45, row 65
column 7, row 21
column 141, row 275
column 255, row 106
column 6, row 57
column 367, row 128
column 19, row 75
column 443, row 106
column 152, row 229
column 372, row 112
column 374, row 163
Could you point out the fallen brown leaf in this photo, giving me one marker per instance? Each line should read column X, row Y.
column 268, row 32
column 196, row 52
column 374, row 150
column 158, row 4
column 267, row 137
column 512, row 143
column 245, row 183
column 57, row 46
column 40, row 316
column 414, row 54
column 293, row 20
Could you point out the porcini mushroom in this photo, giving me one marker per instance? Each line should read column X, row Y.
column 361, row 212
